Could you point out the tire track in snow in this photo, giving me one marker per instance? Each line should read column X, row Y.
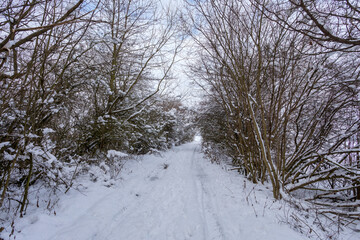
column 174, row 198
column 199, row 194
column 207, row 198
column 186, row 195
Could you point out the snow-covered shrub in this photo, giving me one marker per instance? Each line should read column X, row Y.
column 115, row 161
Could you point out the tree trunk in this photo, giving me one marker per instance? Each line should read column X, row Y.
column 27, row 186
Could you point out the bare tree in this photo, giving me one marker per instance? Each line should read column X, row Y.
column 40, row 43
column 135, row 48
column 333, row 24
column 284, row 107
column 79, row 78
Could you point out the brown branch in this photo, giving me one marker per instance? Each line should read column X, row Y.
column 326, row 32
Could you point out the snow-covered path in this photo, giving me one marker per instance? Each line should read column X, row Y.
column 179, row 195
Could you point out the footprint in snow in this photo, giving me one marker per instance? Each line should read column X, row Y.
column 154, row 178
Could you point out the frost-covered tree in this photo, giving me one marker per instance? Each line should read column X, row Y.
column 135, row 48
column 333, row 24
column 38, row 43
column 285, row 107
column 79, row 78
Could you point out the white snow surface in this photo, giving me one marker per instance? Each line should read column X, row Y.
column 175, row 196
column 114, row 153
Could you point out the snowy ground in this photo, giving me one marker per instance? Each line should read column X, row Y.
column 178, row 195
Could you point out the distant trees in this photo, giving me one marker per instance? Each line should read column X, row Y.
column 288, row 108
column 79, row 78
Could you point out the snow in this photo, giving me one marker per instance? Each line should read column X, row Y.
column 114, row 153
column 4, row 144
column 9, row 157
column 9, row 44
column 48, row 130
column 175, row 195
